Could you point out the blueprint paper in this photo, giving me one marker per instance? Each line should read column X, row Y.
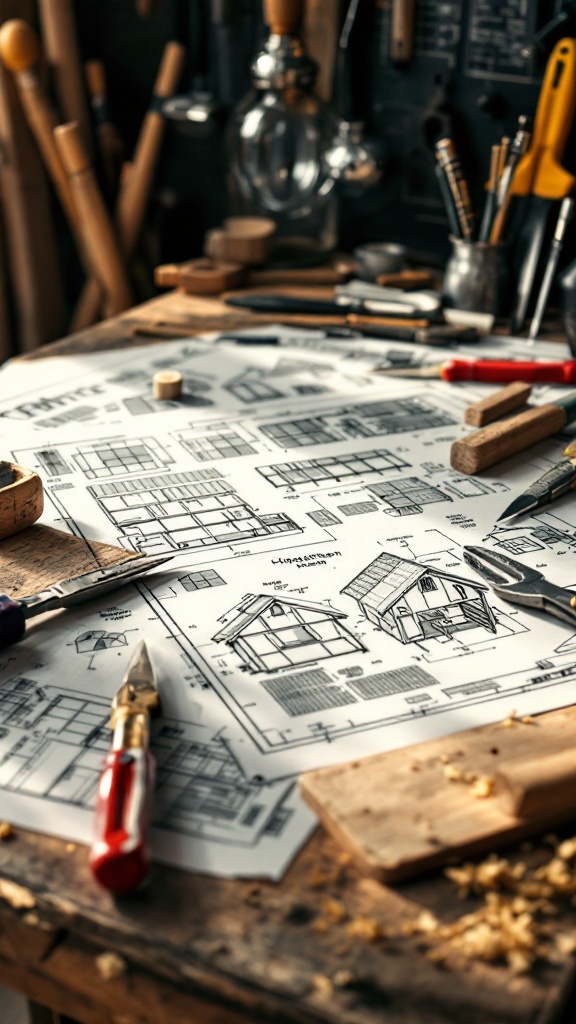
column 316, row 606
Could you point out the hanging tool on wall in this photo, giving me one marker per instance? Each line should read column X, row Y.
column 119, row 856
column 540, row 176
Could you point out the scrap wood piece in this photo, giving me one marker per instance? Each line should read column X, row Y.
column 413, row 809
column 41, row 555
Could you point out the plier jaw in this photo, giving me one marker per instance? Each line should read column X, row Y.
column 520, row 584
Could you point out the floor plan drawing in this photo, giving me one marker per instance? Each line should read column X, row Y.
column 331, row 469
column 406, row 496
column 117, row 457
column 366, row 419
column 223, row 444
column 53, row 745
column 201, row 579
column 270, row 633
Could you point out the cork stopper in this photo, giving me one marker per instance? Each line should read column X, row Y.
column 19, row 45
column 167, row 384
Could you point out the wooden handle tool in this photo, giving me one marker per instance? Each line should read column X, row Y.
column 498, row 404
column 30, row 234
column 98, row 232
column 20, row 53
column 283, row 17
column 498, row 441
column 21, row 498
column 62, row 53
column 135, row 186
column 402, row 34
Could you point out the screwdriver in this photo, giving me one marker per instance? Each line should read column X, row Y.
column 493, row 371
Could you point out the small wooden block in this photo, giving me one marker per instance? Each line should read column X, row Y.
column 21, row 500
column 200, row 276
column 532, row 787
column 399, row 814
column 498, row 404
column 167, row 384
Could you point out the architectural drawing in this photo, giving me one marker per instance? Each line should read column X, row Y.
column 176, row 511
column 363, row 419
column 118, row 457
column 358, row 508
column 253, row 386
column 324, row 518
column 406, row 496
column 53, row 746
column 416, row 602
column 269, row 633
column 331, row 468
column 201, row 579
column 223, row 444
column 52, row 462
column 98, row 640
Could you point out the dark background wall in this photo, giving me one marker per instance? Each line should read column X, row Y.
column 477, row 66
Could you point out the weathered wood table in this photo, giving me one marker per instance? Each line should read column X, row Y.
column 192, row 948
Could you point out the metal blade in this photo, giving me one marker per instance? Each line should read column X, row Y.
column 88, row 585
column 140, row 672
column 410, row 371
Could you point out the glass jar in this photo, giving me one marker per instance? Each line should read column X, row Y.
column 277, row 139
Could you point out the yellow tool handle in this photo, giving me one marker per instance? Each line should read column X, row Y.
column 540, row 171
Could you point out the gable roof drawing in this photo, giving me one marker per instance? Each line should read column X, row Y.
column 388, row 578
column 252, row 605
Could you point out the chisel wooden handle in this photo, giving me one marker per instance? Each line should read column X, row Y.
column 62, row 53
column 496, row 442
column 135, row 187
column 134, row 195
column 98, row 233
column 538, row 787
column 283, row 17
column 20, row 52
column 402, row 33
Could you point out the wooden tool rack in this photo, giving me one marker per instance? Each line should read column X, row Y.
column 193, row 948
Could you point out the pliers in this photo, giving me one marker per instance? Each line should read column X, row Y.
column 520, row 584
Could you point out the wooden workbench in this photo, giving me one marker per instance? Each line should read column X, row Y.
column 209, row 951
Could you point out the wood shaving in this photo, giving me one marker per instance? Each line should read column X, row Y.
column 6, row 830
column 482, row 787
column 366, row 928
column 110, row 965
column 334, row 909
column 343, row 978
column 324, row 988
column 453, row 774
column 514, row 923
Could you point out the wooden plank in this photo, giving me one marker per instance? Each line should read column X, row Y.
column 411, row 810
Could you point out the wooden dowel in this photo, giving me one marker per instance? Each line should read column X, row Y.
column 538, row 787
column 31, row 240
column 20, row 53
column 498, row 404
column 98, row 232
column 496, row 442
column 135, row 186
column 134, row 196
column 63, row 56
column 402, row 30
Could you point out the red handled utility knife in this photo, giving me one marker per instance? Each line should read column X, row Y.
column 119, row 855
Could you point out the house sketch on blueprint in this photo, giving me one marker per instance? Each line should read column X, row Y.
column 271, row 633
column 416, row 602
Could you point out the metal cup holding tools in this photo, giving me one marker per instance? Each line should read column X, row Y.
column 477, row 277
